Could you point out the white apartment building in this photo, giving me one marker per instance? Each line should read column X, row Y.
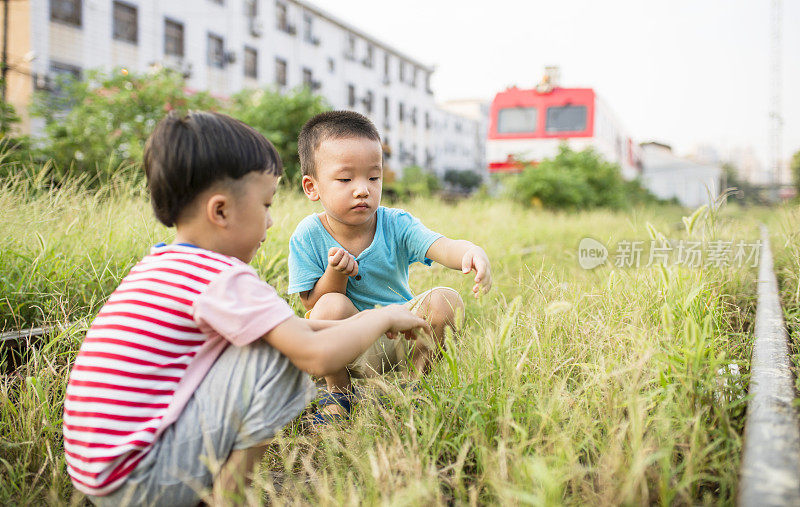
column 464, row 125
column 224, row 46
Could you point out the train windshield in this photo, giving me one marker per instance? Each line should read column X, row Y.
column 516, row 119
column 566, row 119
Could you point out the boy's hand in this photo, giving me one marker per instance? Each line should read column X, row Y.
column 475, row 259
column 402, row 320
column 340, row 260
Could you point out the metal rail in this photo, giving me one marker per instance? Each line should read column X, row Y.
column 770, row 471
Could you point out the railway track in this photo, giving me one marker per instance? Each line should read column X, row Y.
column 770, row 470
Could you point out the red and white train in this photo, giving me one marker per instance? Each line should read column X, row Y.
column 528, row 125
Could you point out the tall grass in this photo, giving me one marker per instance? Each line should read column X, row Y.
column 785, row 238
column 565, row 385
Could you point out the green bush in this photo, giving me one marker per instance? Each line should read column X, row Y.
column 279, row 118
column 97, row 126
column 576, row 180
column 465, row 181
column 415, row 182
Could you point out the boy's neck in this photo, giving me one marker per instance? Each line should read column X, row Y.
column 345, row 233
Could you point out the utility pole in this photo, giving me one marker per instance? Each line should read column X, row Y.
column 776, row 120
column 4, row 71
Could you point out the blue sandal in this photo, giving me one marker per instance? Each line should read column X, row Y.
column 344, row 400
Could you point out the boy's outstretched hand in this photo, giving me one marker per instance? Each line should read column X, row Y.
column 475, row 259
column 342, row 261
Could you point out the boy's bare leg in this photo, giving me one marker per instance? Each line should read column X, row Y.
column 236, row 475
column 335, row 306
column 439, row 308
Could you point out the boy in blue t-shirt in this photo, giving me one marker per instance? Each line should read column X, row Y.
column 356, row 254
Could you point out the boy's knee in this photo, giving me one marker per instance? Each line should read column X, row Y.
column 333, row 306
column 443, row 306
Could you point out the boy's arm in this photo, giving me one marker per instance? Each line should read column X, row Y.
column 466, row 256
column 328, row 350
column 341, row 265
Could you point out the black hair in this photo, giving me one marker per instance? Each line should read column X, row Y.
column 331, row 125
column 187, row 153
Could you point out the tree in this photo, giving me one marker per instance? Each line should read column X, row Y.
column 279, row 118
column 99, row 125
column 795, row 167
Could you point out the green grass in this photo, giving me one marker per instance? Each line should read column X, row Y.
column 566, row 386
column 785, row 240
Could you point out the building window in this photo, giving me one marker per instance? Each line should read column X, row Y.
column 280, row 71
column 386, row 72
column 350, row 51
column 331, row 65
column 125, row 23
column 414, row 116
column 428, row 83
column 251, row 8
column 368, row 56
column 308, row 78
column 368, row 102
column 401, row 69
column 308, row 29
column 351, row 95
column 282, row 18
column 216, row 51
column 401, row 112
column 427, row 120
column 66, row 11
column 413, row 77
column 61, row 75
column 173, row 38
column 250, row 63
column 386, row 109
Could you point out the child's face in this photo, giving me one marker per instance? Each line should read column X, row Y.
column 348, row 180
column 250, row 215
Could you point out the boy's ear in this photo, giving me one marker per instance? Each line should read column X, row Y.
column 310, row 188
column 217, row 210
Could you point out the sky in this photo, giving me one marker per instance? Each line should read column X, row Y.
column 683, row 72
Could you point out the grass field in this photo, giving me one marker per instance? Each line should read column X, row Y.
column 785, row 231
column 567, row 386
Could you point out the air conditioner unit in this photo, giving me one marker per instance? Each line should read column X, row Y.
column 186, row 69
column 291, row 29
column 316, row 84
column 41, row 81
column 315, row 41
column 229, row 57
column 256, row 27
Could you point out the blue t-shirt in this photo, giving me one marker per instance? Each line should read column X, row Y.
column 400, row 240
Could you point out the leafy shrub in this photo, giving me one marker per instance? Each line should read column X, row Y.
column 415, row 182
column 279, row 118
column 98, row 126
column 576, row 180
column 465, row 181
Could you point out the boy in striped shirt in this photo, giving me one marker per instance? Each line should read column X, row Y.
column 158, row 406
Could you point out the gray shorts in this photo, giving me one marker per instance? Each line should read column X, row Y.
column 244, row 400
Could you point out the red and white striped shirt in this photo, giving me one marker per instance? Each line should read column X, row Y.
column 148, row 350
